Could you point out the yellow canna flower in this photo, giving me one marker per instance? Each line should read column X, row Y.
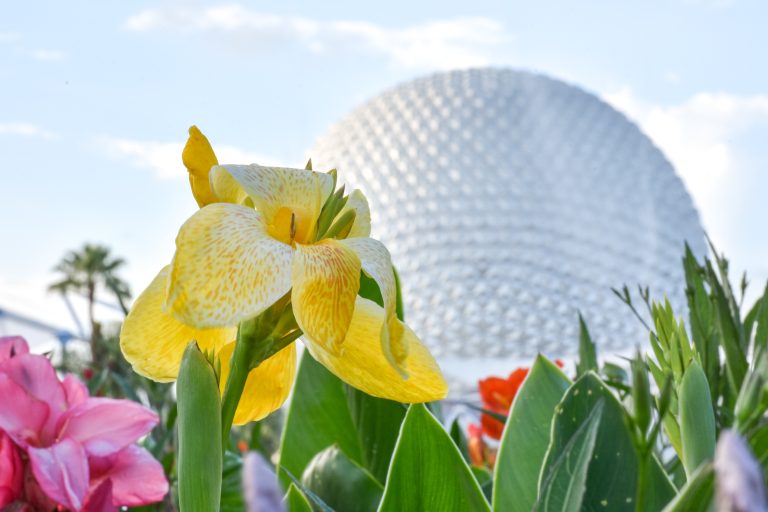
column 260, row 237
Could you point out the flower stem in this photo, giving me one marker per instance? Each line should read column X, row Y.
column 249, row 340
column 257, row 339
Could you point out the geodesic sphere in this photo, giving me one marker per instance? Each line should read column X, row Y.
column 510, row 202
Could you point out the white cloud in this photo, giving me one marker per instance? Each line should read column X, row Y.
column 8, row 37
column 710, row 139
column 460, row 42
column 48, row 55
column 697, row 134
column 164, row 158
column 26, row 130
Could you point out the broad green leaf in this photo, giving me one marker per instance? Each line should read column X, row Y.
column 340, row 483
column 613, row 470
column 199, row 464
column 484, row 479
column 563, row 488
column 318, row 417
column 697, row 419
column 295, row 501
column 460, row 440
column 696, row 495
column 316, row 502
column 377, row 422
column 427, row 470
column 587, row 351
column 526, row 437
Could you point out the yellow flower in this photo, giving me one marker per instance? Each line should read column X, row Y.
column 256, row 239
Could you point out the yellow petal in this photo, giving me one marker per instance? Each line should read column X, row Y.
column 326, row 278
column 153, row 341
column 301, row 191
column 362, row 226
column 225, row 188
column 226, row 268
column 362, row 364
column 267, row 386
column 198, row 158
column 377, row 263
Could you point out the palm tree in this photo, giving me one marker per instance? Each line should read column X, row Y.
column 84, row 271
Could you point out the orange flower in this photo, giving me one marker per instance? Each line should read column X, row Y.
column 497, row 395
column 475, row 445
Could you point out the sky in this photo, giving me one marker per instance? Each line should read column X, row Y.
column 96, row 98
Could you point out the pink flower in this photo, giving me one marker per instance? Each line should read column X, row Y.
column 11, row 471
column 80, row 450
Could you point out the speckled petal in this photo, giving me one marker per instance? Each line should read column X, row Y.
column 226, row 268
column 362, row 364
column 225, row 188
column 153, row 341
column 198, row 158
column 267, row 386
column 377, row 263
column 326, row 279
column 359, row 203
column 272, row 188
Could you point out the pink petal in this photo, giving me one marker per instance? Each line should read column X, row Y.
column 22, row 417
column 62, row 472
column 104, row 425
column 11, row 471
column 137, row 478
column 100, row 499
column 12, row 345
column 74, row 389
column 36, row 375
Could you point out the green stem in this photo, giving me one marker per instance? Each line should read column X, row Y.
column 642, row 479
column 257, row 340
column 239, row 367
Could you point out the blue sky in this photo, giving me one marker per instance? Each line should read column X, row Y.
column 96, row 97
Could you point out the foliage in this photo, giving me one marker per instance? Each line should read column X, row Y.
column 634, row 435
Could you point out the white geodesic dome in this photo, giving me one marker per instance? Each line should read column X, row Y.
column 510, row 201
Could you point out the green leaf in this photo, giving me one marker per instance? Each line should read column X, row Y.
column 526, row 437
column 697, row 419
column 587, row 351
column 761, row 335
column 317, row 503
column 199, row 464
column 295, row 501
column 232, row 484
column 427, row 470
column 564, row 487
column 377, row 422
column 758, row 442
column 613, row 470
column 696, row 495
column 460, row 440
column 730, row 336
column 340, row 483
column 484, row 479
column 701, row 318
column 318, row 417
